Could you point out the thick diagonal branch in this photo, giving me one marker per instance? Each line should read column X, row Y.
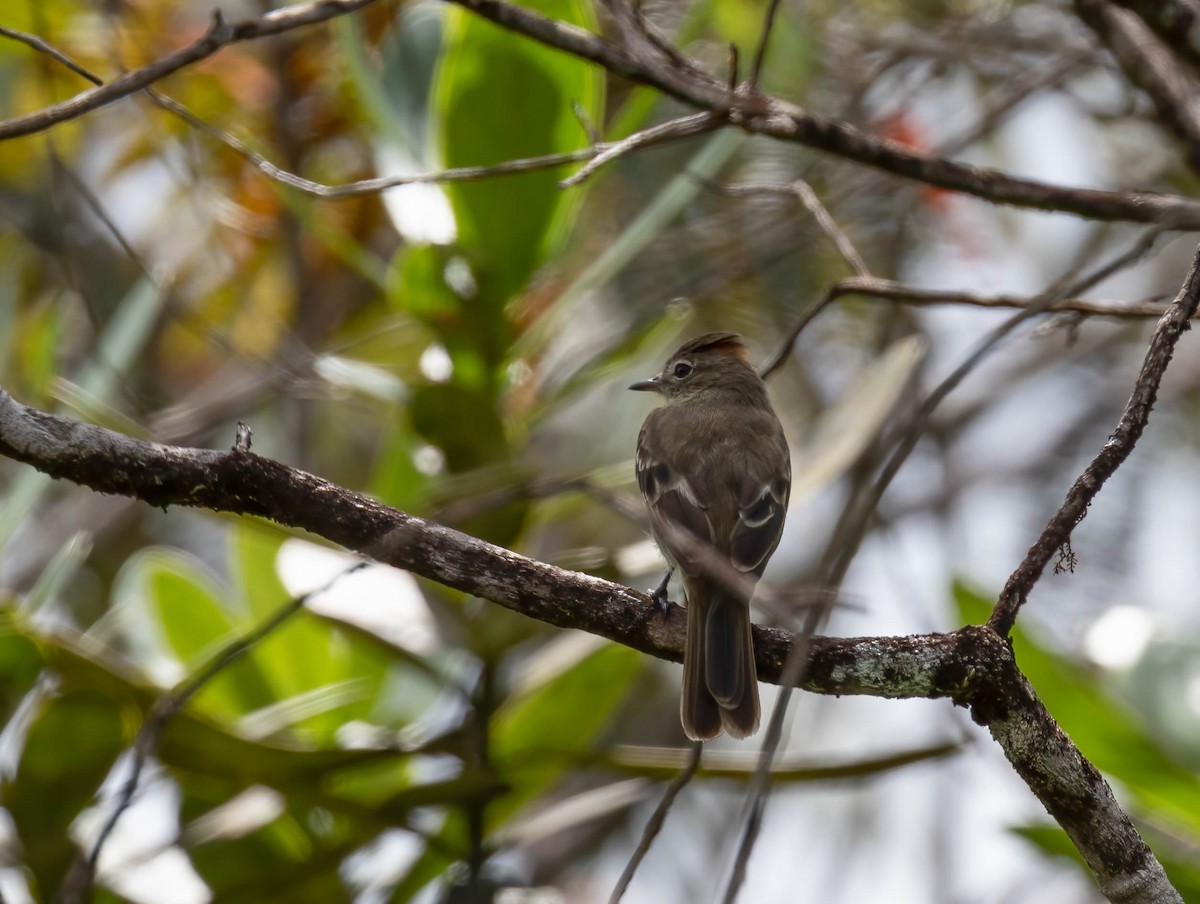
column 974, row 666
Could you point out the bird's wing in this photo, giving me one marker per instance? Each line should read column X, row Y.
column 673, row 503
column 762, row 508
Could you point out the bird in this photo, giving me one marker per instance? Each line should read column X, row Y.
column 714, row 468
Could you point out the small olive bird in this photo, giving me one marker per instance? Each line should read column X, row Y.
column 714, row 467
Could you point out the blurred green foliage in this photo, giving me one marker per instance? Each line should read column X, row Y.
column 154, row 281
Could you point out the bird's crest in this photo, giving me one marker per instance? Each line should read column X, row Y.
column 716, row 343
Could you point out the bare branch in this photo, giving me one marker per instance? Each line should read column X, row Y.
column 683, row 127
column 1177, row 22
column 874, row 287
column 847, row 535
column 756, row 114
column 1010, row 96
column 1150, row 66
column 973, row 666
column 43, row 47
column 1056, row 536
column 760, row 52
column 695, row 124
column 219, row 34
column 369, row 186
column 781, row 354
column 812, row 203
column 850, row 530
column 887, row 289
column 780, row 119
column 794, row 671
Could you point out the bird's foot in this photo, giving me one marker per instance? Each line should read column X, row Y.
column 659, row 594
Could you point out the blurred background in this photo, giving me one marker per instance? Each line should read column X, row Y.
column 461, row 352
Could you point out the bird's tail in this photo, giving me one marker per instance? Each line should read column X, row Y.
column 720, row 686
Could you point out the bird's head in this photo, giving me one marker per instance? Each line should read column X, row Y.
column 707, row 366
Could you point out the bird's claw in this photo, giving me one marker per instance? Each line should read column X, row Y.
column 659, row 594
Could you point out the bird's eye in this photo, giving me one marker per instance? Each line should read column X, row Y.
column 682, row 370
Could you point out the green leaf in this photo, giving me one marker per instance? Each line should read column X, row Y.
column 71, row 747
column 417, row 286
column 254, row 549
column 189, row 617
column 203, row 753
column 288, row 860
column 536, row 734
column 320, row 675
column 188, row 604
column 547, row 726
column 500, row 98
column 466, row 329
column 20, row 665
column 462, row 423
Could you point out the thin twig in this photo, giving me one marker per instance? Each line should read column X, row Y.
column 1009, row 96
column 829, row 226
column 1139, row 309
column 683, row 127
column 368, row 186
column 96, row 206
column 760, row 52
column 655, row 823
column 774, row 117
column 672, row 129
column 756, row 797
column 1177, row 22
column 775, row 361
column 876, row 287
column 813, row 204
column 648, row 32
column 585, row 123
column 849, row 532
column 43, row 47
column 1056, row 536
column 218, row 35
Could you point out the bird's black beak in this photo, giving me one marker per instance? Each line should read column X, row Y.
column 654, row 384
